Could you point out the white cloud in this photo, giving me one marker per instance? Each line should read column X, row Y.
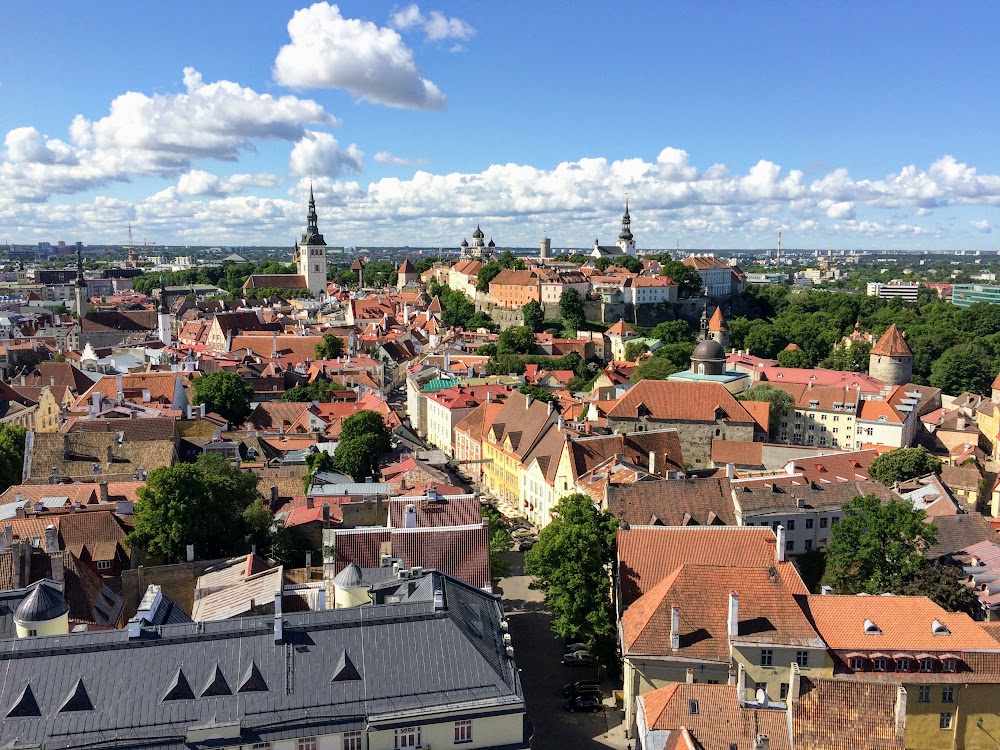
column 162, row 134
column 385, row 157
column 435, row 25
column 371, row 62
column 982, row 226
column 320, row 155
column 199, row 182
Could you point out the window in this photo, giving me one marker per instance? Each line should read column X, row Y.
column 307, row 743
column 352, row 741
column 857, row 664
column 789, row 546
column 783, row 693
column 880, row 665
column 809, row 545
column 261, row 746
column 463, row 731
column 693, row 707
column 104, row 565
column 949, row 665
column 802, row 658
column 790, row 525
column 809, row 523
column 924, row 696
column 902, row 665
column 948, row 694
column 945, row 722
column 407, row 737
column 822, row 523
column 32, row 633
column 926, row 665
column 835, row 520
column 766, row 657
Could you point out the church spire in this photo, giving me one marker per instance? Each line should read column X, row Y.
column 312, row 235
column 626, row 233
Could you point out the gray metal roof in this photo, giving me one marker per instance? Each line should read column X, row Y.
column 45, row 602
column 412, row 659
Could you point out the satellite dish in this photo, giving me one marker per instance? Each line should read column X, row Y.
column 762, row 697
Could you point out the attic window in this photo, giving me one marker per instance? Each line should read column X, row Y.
column 693, row 707
column 939, row 628
column 871, row 628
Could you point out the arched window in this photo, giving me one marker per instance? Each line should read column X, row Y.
column 701, row 368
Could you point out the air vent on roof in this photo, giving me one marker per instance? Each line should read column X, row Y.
column 77, row 700
column 871, row 628
column 25, row 705
column 939, row 628
column 216, row 684
column 179, row 688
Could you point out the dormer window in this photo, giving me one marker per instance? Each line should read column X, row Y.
column 939, row 628
column 871, row 628
column 857, row 664
column 926, row 665
column 879, row 665
column 902, row 665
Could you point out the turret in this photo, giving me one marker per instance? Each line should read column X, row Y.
column 311, row 252
column 891, row 359
column 42, row 612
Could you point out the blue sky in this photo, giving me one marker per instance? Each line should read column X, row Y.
column 842, row 125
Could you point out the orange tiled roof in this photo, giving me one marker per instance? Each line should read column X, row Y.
column 892, row 344
column 693, row 402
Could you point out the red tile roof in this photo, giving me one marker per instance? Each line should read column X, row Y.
column 892, row 344
column 691, row 402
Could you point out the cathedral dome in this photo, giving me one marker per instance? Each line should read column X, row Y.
column 708, row 351
column 478, row 234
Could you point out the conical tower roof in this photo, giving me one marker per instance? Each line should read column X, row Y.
column 44, row 603
column 892, row 344
column 718, row 321
column 406, row 267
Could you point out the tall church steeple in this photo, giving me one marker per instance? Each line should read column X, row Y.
column 81, row 283
column 310, row 253
column 625, row 240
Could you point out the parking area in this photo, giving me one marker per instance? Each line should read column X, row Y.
column 538, row 652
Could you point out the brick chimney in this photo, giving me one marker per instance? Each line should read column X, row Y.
column 675, row 627
column 103, row 489
column 900, row 711
column 779, row 544
column 734, row 614
column 51, row 539
column 58, row 571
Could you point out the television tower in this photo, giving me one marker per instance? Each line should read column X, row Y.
column 779, row 249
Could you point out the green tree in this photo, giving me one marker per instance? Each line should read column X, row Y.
column 315, row 462
column 320, row 389
column 11, row 455
column 877, row 546
column 487, row 273
column 519, row 340
column 570, row 564
column 902, row 464
column 962, row 368
column 853, row 358
column 673, row 332
column 539, row 394
column 358, row 457
column 794, row 358
column 500, row 542
column 534, row 318
column 366, row 422
column 688, row 280
column 654, row 368
column 571, row 307
column 943, row 585
column 634, row 348
column 481, row 320
column 225, row 393
column 764, row 339
column 204, row 504
column 779, row 402
column 330, row 348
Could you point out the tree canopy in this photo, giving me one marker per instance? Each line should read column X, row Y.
column 571, row 307
column 225, row 393
column 902, row 464
column 877, row 546
column 210, row 504
column 330, row 348
column 779, row 401
column 363, row 439
column 569, row 563
column 11, row 455
column 534, row 318
column 500, row 541
column 688, row 279
column 962, row 368
column 794, row 358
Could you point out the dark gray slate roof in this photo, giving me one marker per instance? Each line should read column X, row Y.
column 336, row 670
column 349, row 577
column 45, row 602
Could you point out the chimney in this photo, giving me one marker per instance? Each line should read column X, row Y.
column 279, row 622
column 561, row 423
column 58, row 573
column 119, row 392
column 18, row 579
column 190, row 553
column 779, row 544
column 675, row 627
column 652, row 462
column 527, row 401
column 689, row 676
column 326, row 515
column 763, row 742
column 794, row 683
column 730, row 471
column 7, row 537
column 147, row 395
column 110, row 457
column 438, row 599
column 103, row 489
column 410, row 521
column 734, row 614
column 551, row 407
column 51, row 539
column 741, row 684
column 900, row 711
column 66, row 448
column 274, row 497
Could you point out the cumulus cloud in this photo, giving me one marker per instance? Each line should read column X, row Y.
column 162, row 134
column 982, row 226
column 371, row 62
column 386, row 157
column 435, row 25
column 199, row 182
column 320, row 154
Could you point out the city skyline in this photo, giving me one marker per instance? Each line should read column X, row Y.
column 846, row 127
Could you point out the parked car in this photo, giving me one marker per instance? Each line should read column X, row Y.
column 522, row 533
column 585, row 702
column 579, row 659
column 582, row 686
column 523, row 545
column 577, row 647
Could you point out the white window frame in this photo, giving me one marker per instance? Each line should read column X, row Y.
column 307, row 743
column 463, row 731
column 945, row 722
column 104, row 565
column 353, row 740
column 407, row 737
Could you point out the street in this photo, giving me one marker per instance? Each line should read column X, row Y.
column 537, row 651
